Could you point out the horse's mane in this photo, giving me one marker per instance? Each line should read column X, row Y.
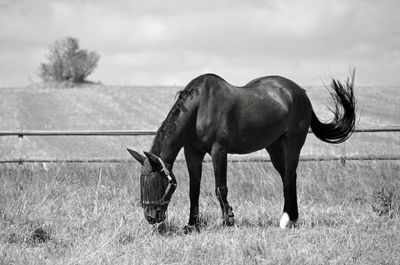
column 170, row 121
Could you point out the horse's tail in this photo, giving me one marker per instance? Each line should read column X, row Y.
column 340, row 128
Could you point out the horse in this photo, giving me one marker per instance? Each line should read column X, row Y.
column 212, row 116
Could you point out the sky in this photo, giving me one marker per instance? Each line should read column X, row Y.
column 156, row 42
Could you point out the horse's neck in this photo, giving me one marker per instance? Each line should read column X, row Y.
column 172, row 134
column 167, row 149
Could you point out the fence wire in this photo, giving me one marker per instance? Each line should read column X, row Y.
column 20, row 134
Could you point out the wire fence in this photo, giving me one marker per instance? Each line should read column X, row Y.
column 21, row 134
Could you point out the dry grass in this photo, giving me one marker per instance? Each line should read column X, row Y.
column 89, row 214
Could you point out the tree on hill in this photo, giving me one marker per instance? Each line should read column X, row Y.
column 67, row 62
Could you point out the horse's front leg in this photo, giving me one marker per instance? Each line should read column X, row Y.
column 194, row 159
column 219, row 158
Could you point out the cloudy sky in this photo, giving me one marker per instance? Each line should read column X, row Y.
column 170, row 42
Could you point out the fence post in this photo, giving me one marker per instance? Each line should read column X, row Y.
column 343, row 157
column 19, row 152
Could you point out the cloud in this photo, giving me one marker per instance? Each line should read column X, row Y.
column 158, row 42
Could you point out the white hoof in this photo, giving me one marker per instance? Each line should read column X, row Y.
column 286, row 222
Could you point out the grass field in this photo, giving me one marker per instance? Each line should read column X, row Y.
column 90, row 213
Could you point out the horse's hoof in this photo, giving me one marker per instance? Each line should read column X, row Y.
column 229, row 221
column 286, row 222
column 188, row 229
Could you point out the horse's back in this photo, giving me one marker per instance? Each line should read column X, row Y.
column 248, row 118
column 274, row 82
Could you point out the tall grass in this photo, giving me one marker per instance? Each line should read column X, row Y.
column 89, row 214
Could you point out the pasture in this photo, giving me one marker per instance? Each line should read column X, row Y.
column 89, row 213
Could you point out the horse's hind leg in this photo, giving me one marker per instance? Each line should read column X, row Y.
column 219, row 159
column 285, row 157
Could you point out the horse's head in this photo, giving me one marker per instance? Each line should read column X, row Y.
column 156, row 186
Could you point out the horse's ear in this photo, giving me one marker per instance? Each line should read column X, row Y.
column 154, row 160
column 137, row 156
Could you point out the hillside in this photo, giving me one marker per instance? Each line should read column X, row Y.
column 136, row 108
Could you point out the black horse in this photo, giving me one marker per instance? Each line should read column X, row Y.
column 212, row 116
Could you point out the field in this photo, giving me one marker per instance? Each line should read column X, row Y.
column 137, row 108
column 89, row 213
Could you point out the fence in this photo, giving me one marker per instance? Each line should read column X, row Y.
column 21, row 134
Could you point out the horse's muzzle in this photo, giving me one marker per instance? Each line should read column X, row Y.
column 154, row 214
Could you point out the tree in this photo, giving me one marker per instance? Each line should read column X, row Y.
column 67, row 62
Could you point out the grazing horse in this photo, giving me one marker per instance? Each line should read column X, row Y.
column 212, row 116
